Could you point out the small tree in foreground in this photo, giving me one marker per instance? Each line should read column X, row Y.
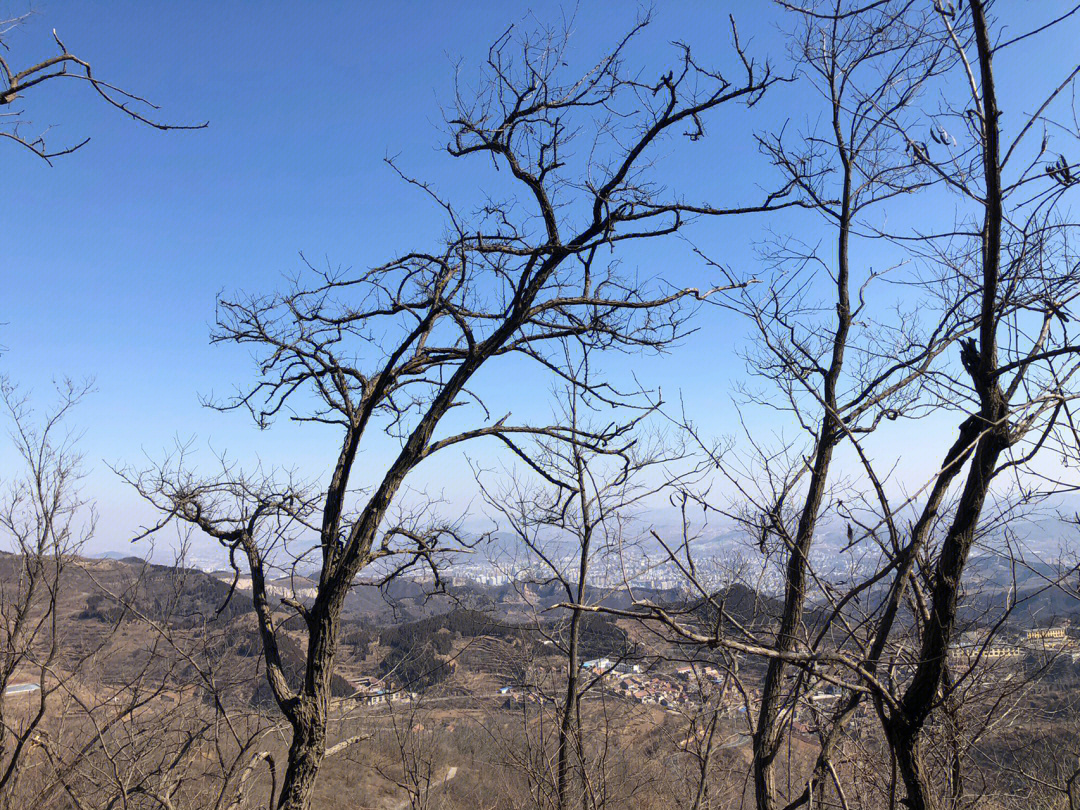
column 573, row 516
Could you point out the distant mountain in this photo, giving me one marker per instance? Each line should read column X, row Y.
column 121, row 556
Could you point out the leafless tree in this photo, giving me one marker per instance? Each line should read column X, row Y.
column 399, row 346
column 827, row 362
column 1002, row 274
column 575, row 512
column 80, row 729
column 1016, row 263
column 412, row 733
column 44, row 521
column 996, row 284
column 830, row 364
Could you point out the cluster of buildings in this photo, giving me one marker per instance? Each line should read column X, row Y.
column 658, row 573
column 1056, row 640
column 686, row 687
column 653, row 690
column 371, row 691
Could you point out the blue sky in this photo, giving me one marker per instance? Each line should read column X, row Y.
column 113, row 257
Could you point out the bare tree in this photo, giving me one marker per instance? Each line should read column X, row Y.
column 869, row 68
column 834, row 365
column 78, row 729
column 574, row 513
column 1003, row 275
column 44, row 521
column 997, row 284
column 398, row 347
column 1017, row 265
column 412, row 735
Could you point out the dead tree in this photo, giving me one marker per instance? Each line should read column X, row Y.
column 397, row 347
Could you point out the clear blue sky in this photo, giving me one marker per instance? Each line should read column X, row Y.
column 112, row 258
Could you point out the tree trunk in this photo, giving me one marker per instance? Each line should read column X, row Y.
column 570, row 710
column 308, row 715
column 570, row 727
column 921, row 694
column 305, row 757
column 768, row 736
column 909, row 762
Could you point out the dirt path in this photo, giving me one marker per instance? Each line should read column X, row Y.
column 451, row 772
